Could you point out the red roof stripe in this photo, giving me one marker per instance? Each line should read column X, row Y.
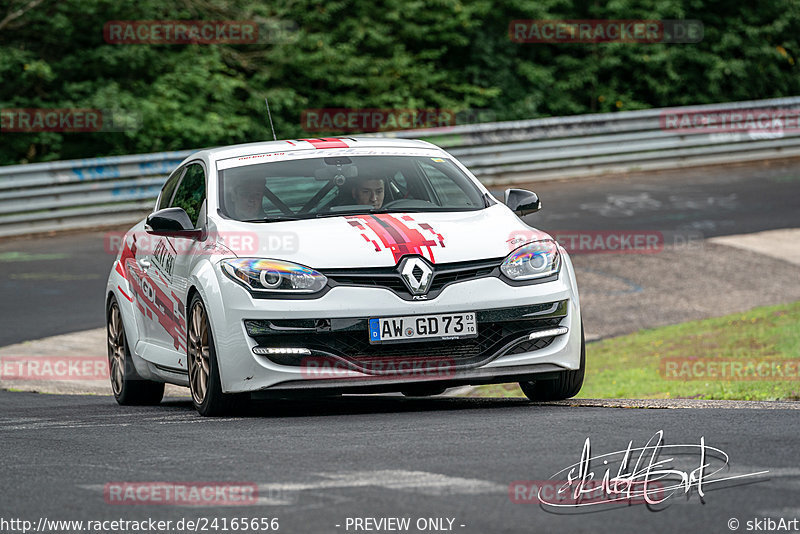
column 326, row 142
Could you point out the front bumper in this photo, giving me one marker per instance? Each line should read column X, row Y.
column 334, row 333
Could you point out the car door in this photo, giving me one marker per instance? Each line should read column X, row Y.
column 170, row 266
column 137, row 256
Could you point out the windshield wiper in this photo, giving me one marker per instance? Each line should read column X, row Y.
column 275, row 218
column 365, row 212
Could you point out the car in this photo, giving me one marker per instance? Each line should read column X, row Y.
column 338, row 265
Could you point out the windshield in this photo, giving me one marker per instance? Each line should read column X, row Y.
column 325, row 187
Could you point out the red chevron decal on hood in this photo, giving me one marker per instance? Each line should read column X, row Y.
column 403, row 236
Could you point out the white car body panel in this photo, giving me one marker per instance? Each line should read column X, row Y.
column 334, row 243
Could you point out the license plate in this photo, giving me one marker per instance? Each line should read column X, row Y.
column 414, row 327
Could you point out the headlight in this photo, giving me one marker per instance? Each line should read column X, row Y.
column 534, row 260
column 274, row 275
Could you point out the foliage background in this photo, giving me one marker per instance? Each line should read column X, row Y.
column 369, row 54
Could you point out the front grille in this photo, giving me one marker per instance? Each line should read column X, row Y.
column 389, row 278
column 449, row 277
column 500, row 332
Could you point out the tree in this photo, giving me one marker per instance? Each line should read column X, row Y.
column 367, row 54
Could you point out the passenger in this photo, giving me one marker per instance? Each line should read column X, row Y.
column 247, row 198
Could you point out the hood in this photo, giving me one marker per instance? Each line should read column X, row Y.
column 380, row 240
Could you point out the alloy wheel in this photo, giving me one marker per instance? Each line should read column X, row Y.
column 116, row 350
column 198, row 352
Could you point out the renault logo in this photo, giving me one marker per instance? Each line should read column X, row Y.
column 417, row 275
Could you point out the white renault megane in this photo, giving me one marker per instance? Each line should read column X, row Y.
column 329, row 266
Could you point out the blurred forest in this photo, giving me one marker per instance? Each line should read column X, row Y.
column 453, row 54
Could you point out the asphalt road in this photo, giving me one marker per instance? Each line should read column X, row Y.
column 54, row 285
column 318, row 463
column 318, row 466
column 710, row 201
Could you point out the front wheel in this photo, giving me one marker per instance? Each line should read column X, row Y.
column 204, row 380
column 566, row 385
column 128, row 387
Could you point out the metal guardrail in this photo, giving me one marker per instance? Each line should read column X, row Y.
column 60, row 195
column 607, row 143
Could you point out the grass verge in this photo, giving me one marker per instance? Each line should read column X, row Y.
column 695, row 360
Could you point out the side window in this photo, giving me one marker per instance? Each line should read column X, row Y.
column 168, row 189
column 192, row 192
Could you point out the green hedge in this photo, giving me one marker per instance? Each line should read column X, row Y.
column 370, row 54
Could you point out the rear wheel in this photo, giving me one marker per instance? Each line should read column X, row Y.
column 128, row 387
column 566, row 385
column 204, row 379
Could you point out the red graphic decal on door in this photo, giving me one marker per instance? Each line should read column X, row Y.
column 151, row 301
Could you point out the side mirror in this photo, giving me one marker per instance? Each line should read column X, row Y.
column 172, row 222
column 522, row 202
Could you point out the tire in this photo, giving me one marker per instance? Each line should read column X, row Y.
column 201, row 357
column 566, row 385
column 423, row 391
column 128, row 387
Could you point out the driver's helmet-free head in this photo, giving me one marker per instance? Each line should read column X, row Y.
column 369, row 191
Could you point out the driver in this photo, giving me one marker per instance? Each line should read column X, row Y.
column 369, row 191
column 247, row 198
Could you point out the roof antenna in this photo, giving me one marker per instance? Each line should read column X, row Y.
column 275, row 137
